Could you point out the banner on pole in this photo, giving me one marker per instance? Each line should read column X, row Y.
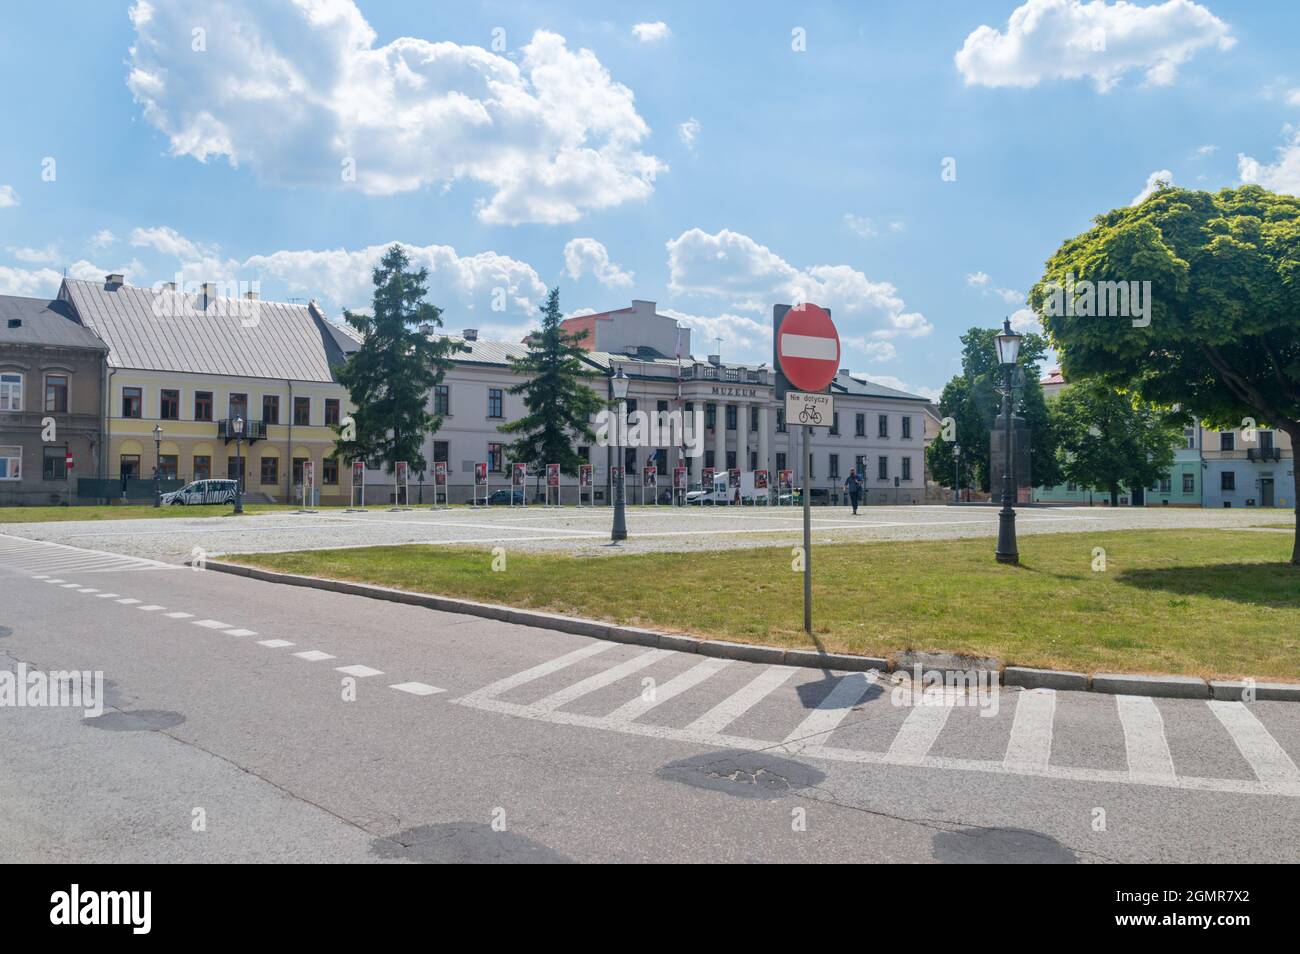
column 519, row 475
column 679, row 478
column 651, row 476
column 480, row 474
column 552, row 475
column 584, row 475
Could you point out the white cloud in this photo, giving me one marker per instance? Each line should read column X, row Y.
column 8, row 197
column 458, row 284
column 978, row 280
column 102, row 239
column 896, row 226
column 29, row 283
column 688, row 131
column 1200, row 152
column 166, row 240
column 652, row 32
column 984, row 283
column 1024, row 321
column 860, row 225
column 583, row 255
column 38, row 256
column 751, row 277
column 1293, row 97
column 302, row 95
column 1282, row 175
column 1069, row 39
column 1154, row 182
column 744, row 339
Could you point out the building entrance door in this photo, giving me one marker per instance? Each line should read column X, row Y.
column 1266, row 492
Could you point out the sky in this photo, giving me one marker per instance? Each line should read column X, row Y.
column 909, row 165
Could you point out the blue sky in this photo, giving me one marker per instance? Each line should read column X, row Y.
column 686, row 153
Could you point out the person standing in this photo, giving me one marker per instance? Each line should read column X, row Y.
column 853, row 484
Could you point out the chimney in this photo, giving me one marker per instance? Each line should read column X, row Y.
column 470, row 334
column 844, row 372
column 169, row 286
column 115, row 279
column 252, row 295
column 209, row 293
column 715, row 359
column 426, row 329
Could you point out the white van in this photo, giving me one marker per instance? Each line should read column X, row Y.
column 718, row 495
column 202, row 492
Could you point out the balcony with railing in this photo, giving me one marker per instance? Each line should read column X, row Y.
column 253, row 430
column 709, row 372
column 1263, row 454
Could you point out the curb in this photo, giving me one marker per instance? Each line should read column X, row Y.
column 1174, row 687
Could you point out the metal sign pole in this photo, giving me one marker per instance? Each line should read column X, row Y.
column 807, row 530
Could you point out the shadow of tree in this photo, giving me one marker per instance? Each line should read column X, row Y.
column 1262, row 584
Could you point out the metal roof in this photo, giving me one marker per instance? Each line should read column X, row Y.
column 162, row 330
column 41, row 322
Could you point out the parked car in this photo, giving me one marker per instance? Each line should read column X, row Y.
column 718, row 495
column 820, row 497
column 203, row 492
column 503, row 497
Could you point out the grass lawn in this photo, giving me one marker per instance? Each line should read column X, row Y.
column 1197, row 602
column 133, row 512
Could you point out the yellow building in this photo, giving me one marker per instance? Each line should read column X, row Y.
column 183, row 366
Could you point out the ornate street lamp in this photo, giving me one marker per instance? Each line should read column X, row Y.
column 956, row 473
column 238, row 425
column 157, row 465
column 619, row 387
column 1008, row 346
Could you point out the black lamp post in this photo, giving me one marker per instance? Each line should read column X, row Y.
column 956, row 473
column 238, row 425
column 1008, row 346
column 157, row 465
column 619, row 386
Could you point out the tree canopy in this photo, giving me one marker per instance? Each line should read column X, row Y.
column 1221, row 337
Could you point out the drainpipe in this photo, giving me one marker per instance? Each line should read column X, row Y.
column 288, row 479
column 107, row 428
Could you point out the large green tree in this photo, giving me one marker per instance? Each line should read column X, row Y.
column 390, row 377
column 971, row 399
column 1110, row 440
column 1221, row 336
column 558, row 400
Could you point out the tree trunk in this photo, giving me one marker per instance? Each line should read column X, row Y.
column 1114, row 495
column 1293, row 432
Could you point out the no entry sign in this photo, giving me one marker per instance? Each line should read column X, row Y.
column 808, row 347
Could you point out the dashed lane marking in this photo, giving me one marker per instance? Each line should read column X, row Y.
column 212, row 624
column 359, row 671
column 314, row 655
column 270, row 643
column 416, row 688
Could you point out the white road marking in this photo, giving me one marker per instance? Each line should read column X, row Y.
column 269, row 643
column 314, row 655
column 1031, row 732
column 53, row 581
column 180, row 615
column 359, row 671
column 212, row 624
column 1267, row 759
column 150, row 607
column 741, row 701
column 599, row 680
column 241, row 632
column 673, row 687
column 815, row 730
column 127, row 601
column 88, row 589
column 919, row 732
column 537, row 672
column 416, row 688
column 104, row 596
column 1144, row 738
column 38, row 576
column 70, row 586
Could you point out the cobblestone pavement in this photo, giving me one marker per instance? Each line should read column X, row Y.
column 586, row 531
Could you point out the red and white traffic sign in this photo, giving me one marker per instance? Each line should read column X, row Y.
column 808, row 347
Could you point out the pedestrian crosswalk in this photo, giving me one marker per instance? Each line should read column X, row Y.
column 42, row 559
column 858, row 718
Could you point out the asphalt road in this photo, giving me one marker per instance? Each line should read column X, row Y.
column 471, row 740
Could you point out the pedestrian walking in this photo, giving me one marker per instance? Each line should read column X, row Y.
column 853, row 484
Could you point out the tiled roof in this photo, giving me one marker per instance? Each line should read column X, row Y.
column 173, row 331
column 39, row 321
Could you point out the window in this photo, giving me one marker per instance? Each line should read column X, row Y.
column 496, row 462
column 332, row 413
column 708, row 459
column 882, row 468
column 1166, row 485
column 731, row 417
column 54, row 465
column 235, row 468
column 1190, row 434
column 731, row 460
column 585, row 453
column 907, row 465
column 441, row 452
column 1266, row 442
column 132, row 402
column 270, row 410
column 11, row 393
column 1071, row 487
column 907, row 430
column 202, row 467
column 270, row 470
column 780, row 420
column 710, row 416
column 1189, row 483
column 833, row 467
column 238, row 407
column 202, row 405
column 169, row 404
column 1228, row 480
column 495, row 403
column 128, row 466
column 661, row 406
column 169, row 465
column 329, row 470
column 1227, row 441
column 296, row 470
column 859, row 425
column 780, row 461
column 835, row 426
column 302, row 411
column 753, row 418
column 11, row 463
column 441, row 399
column 56, row 393
column 882, row 425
